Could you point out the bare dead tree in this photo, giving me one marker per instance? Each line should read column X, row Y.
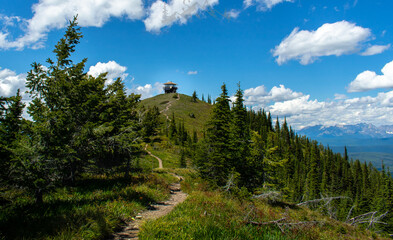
column 369, row 218
column 230, row 183
column 284, row 225
column 271, row 196
column 325, row 202
column 324, row 199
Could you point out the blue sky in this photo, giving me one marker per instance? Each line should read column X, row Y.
column 314, row 62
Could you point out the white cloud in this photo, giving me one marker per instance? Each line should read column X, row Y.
column 233, row 13
column 295, row 106
column 369, row 80
column 263, row 5
column 338, row 96
column 330, row 39
column 259, row 96
column 54, row 14
column 376, row 49
column 300, row 110
column 113, row 69
column 162, row 14
column 148, row 90
column 10, row 82
column 192, row 72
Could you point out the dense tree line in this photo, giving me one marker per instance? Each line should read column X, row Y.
column 242, row 147
column 79, row 124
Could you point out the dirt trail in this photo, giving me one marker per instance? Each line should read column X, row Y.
column 131, row 230
column 158, row 210
column 158, row 159
column 168, row 105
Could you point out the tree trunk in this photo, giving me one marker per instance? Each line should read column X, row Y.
column 38, row 196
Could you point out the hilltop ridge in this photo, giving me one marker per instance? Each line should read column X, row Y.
column 193, row 114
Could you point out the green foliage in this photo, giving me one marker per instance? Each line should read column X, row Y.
column 213, row 157
column 244, row 144
column 79, row 124
column 93, row 209
column 211, row 215
column 11, row 127
column 194, row 97
column 182, row 108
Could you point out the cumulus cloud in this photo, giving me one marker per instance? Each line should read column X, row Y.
column 263, row 5
column 369, row 80
column 296, row 106
column 54, row 14
column 113, row 69
column 301, row 110
column 148, row 90
column 376, row 49
column 162, row 14
column 10, row 82
column 192, row 72
column 260, row 97
column 330, row 39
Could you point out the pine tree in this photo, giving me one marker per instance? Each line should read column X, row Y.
column 194, row 97
column 213, row 156
column 78, row 121
column 240, row 137
column 10, row 132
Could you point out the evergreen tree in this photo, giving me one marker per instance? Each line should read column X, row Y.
column 10, row 132
column 194, row 97
column 240, row 137
column 78, row 121
column 213, row 157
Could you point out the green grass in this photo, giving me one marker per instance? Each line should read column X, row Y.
column 213, row 215
column 95, row 208
column 167, row 152
column 182, row 108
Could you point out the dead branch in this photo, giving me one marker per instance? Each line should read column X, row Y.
column 349, row 213
column 271, row 195
column 325, row 199
column 230, row 183
column 282, row 225
column 266, row 223
column 368, row 218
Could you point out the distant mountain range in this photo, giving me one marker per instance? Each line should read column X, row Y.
column 358, row 131
column 365, row 142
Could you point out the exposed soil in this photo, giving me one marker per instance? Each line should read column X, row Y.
column 158, row 159
column 131, row 230
column 168, row 105
column 157, row 210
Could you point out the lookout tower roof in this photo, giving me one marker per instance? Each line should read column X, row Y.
column 170, row 83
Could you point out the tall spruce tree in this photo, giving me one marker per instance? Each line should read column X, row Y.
column 240, row 136
column 214, row 153
column 78, row 121
column 10, row 132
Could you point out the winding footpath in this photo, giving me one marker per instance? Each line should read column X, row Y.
column 131, row 230
column 157, row 210
column 168, row 105
column 158, row 159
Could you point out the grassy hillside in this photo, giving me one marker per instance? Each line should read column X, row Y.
column 215, row 214
column 194, row 114
column 94, row 208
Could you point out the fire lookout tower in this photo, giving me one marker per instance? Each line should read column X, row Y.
column 170, row 87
